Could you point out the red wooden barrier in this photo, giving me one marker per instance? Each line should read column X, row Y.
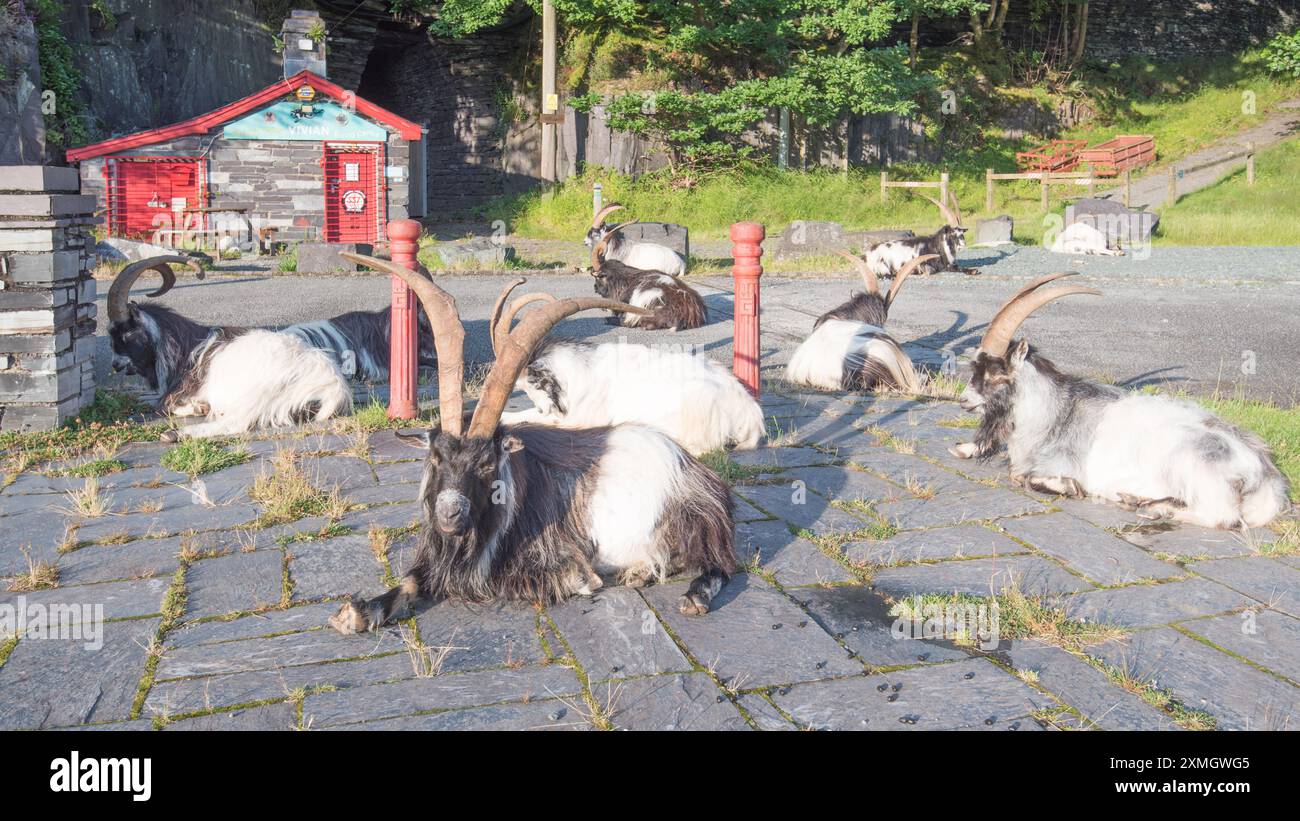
column 403, row 241
column 746, row 249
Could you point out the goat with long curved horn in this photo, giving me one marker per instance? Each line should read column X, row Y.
column 537, row 513
column 118, row 299
column 639, row 254
column 1159, row 456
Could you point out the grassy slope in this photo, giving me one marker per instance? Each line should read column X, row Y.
column 1230, row 212
column 1183, row 111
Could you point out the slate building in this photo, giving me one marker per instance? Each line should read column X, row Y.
column 300, row 160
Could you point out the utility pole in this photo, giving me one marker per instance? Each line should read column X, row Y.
column 550, row 100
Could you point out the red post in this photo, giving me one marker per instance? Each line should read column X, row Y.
column 403, row 242
column 746, row 249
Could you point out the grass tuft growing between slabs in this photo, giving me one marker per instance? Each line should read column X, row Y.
column 1020, row 616
column 104, row 427
column 287, row 493
column 39, row 576
column 198, row 456
column 729, row 470
column 1186, row 717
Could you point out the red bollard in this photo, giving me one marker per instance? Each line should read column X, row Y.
column 746, row 249
column 404, row 242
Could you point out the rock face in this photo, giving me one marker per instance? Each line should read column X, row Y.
column 810, row 237
column 995, row 231
column 22, row 128
column 1113, row 219
column 477, row 254
column 676, row 237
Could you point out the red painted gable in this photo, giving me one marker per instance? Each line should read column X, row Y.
column 206, row 122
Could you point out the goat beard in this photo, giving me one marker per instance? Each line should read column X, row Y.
column 996, row 424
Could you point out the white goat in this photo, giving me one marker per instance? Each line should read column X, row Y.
column 647, row 256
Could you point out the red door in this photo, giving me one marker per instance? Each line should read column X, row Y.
column 351, row 196
column 152, row 195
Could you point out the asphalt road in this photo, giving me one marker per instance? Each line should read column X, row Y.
column 1191, row 318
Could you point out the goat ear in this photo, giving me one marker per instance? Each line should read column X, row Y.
column 1019, row 352
column 419, row 439
column 511, row 444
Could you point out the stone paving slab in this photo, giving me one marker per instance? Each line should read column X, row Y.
column 860, row 618
column 614, row 635
column 237, row 582
column 1266, row 581
column 54, row 683
column 1192, row 543
column 973, row 694
column 781, row 457
column 191, row 695
column 1093, row 552
column 792, row 561
column 320, row 645
column 680, row 702
column 1239, row 696
column 753, row 636
column 1085, row 688
column 764, row 714
column 475, row 636
column 340, row 566
column 1145, row 605
column 273, row 717
column 142, row 558
column 802, row 509
column 838, row 483
column 957, row 506
column 979, row 577
column 251, row 626
column 553, row 714
column 119, row 600
column 1269, row 639
column 440, row 692
column 959, row 542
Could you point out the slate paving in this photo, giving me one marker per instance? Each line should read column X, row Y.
column 211, row 618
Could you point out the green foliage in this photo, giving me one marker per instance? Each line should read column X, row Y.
column 1282, row 54
column 109, row 407
column 196, row 456
column 65, row 127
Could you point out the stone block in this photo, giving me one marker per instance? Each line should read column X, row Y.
column 478, row 253
column 995, row 231
column 17, row 205
column 43, row 269
column 810, row 238
column 676, row 237
column 30, row 178
column 323, row 257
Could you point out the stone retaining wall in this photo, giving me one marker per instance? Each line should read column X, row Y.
column 47, row 297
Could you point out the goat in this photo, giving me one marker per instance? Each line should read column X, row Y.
column 648, row 256
column 1159, row 456
column 849, row 349
column 669, row 302
column 690, row 397
column 360, row 343
column 1082, row 238
column 238, row 377
column 535, row 512
column 886, row 258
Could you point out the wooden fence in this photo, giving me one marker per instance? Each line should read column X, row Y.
column 886, row 184
column 1176, row 173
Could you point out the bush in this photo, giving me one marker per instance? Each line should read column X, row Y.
column 1282, row 54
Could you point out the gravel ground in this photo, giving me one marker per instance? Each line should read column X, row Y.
column 1185, row 317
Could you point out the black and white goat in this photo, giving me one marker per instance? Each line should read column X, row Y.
column 849, row 348
column 668, row 302
column 537, row 513
column 648, row 256
column 1160, row 456
column 360, row 343
column 886, row 258
column 239, row 378
column 693, row 399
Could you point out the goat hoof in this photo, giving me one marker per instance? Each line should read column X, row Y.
column 171, row 437
column 349, row 620
column 965, row 450
column 693, row 605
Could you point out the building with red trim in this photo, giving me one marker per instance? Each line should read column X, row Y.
column 300, row 160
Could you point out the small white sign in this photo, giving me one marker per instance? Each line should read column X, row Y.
column 351, row 171
column 395, row 172
column 178, row 203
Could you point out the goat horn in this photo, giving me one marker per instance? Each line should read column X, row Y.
column 597, row 251
column 119, row 292
column 1038, row 283
column 605, row 212
column 864, row 271
column 494, row 319
column 997, row 339
column 956, row 209
column 516, row 351
column 448, row 335
column 504, row 321
column 902, row 275
column 948, row 215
